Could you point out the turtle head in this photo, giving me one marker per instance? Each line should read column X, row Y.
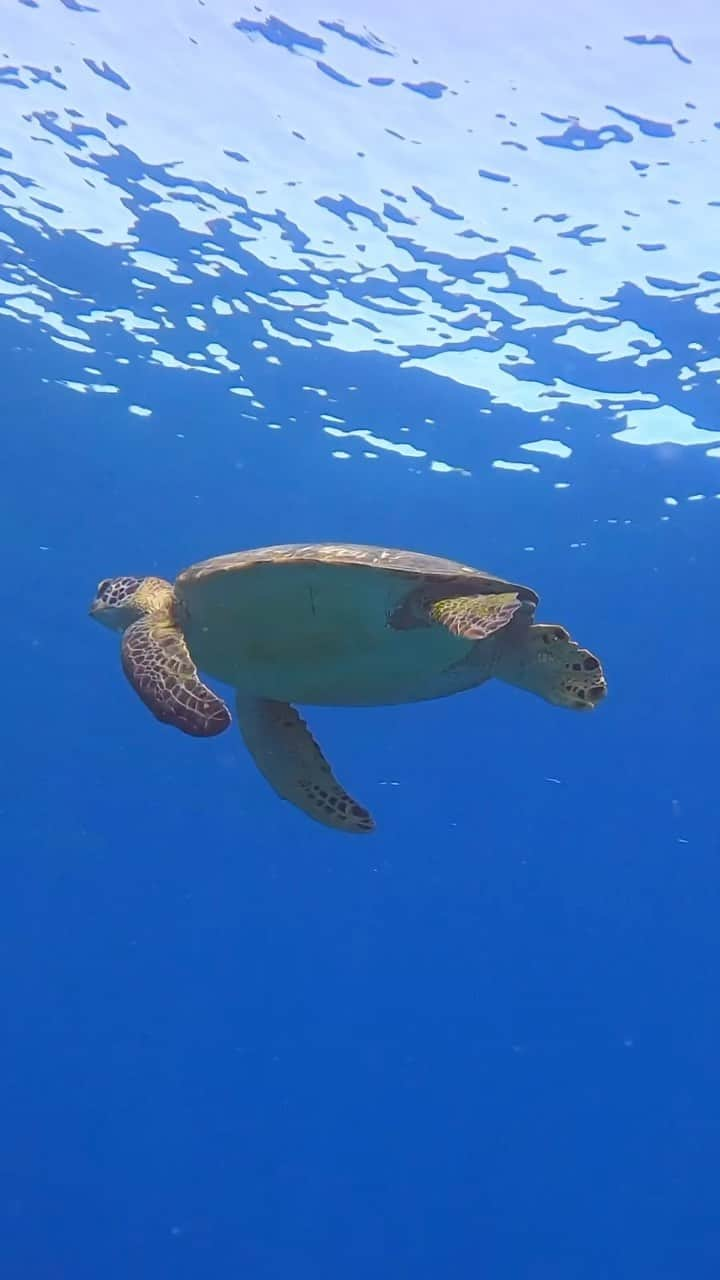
column 120, row 601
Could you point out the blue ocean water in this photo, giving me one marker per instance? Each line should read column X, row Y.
column 427, row 278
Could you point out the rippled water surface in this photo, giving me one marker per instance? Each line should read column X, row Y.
column 443, row 277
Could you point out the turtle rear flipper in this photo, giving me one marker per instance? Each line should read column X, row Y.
column 547, row 662
column 289, row 758
column 157, row 662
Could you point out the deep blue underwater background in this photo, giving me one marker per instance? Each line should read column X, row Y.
column 303, row 275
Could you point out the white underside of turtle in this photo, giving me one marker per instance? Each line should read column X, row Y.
column 335, row 625
column 319, row 637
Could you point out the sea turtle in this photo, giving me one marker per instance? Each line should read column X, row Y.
column 333, row 624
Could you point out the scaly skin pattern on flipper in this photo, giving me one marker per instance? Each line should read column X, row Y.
column 547, row 662
column 288, row 756
column 477, row 617
column 155, row 657
column 157, row 663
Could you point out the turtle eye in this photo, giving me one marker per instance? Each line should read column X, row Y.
column 103, row 586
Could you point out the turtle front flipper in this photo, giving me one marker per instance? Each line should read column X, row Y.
column 157, row 662
column 288, row 756
column 548, row 662
column 477, row 617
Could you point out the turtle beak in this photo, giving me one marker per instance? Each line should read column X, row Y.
column 112, row 617
column 98, row 611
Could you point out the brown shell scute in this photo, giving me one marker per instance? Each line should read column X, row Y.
column 413, row 563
